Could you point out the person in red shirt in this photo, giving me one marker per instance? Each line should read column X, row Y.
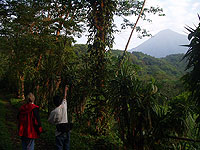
column 29, row 123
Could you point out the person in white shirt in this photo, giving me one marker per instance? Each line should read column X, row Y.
column 58, row 117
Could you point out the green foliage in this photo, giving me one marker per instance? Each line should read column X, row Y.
column 171, row 66
column 128, row 106
column 36, row 35
column 192, row 78
column 140, row 112
column 185, row 113
column 176, row 61
column 166, row 71
column 15, row 102
column 3, row 65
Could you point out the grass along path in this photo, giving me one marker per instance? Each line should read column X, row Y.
column 11, row 124
column 5, row 136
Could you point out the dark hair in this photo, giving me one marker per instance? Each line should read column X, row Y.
column 57, row 100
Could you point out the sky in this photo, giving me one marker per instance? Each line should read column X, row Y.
column 178, row 14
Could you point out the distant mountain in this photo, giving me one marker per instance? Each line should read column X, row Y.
column 164, row 43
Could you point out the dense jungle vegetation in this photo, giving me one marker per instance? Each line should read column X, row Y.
column 116, row 100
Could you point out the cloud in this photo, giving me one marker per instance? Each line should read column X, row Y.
column 180, row 13
column 195, row 6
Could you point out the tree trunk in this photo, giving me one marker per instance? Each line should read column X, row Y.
column 21, row 87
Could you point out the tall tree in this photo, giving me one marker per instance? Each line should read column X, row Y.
column 37, row 30
column 100, row 40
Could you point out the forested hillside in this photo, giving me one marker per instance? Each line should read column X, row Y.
column 170, row 67
column 166, row 71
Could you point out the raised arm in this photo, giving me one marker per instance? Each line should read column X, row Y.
column 66, row 89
